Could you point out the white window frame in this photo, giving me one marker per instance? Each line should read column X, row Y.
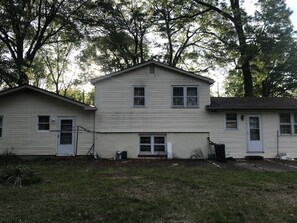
column 144, row 97
column 1, row 127
column 185, row 96
column 49, row 123
column 292, row 123
column 153, row 144
column 231, row 121
column 294, row 114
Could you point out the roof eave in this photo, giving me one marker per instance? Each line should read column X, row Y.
column 51, row 94
column 211, row 108
column 202, row 78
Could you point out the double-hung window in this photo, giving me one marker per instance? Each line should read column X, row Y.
column 231, row 121
column 285, row 124
column 139, row 96
column 152, row 144
column 185, row 96
column 43, row 123
column 1, row 126
column 288, row 123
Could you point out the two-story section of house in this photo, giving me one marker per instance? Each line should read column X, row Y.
column 151, row 109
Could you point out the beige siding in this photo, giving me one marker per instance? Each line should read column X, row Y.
column 20, row 133
column 187, row 129
column 120, row 123
column 236, row 141
column 183, row 144
column 114, row 100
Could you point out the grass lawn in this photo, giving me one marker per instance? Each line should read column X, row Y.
column 86, row 192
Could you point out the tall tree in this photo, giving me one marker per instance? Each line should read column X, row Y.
column 26, row 26
column 176, row 21
column 119, row 39
column 274, row 65
column 234, row 14
column 56, row 61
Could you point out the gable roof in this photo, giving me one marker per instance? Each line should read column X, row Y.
column 150, row 62
column 48, row 93
column 252, row 103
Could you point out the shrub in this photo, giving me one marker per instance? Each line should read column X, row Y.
column 19, row 175
column 8, row 156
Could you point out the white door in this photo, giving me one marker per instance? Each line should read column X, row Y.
column 255, row 141
column 66, row 136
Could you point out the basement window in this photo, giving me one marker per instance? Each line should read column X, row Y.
column 152, row 144
column 43, row 123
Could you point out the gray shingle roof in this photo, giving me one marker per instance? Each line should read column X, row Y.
column 252, row 103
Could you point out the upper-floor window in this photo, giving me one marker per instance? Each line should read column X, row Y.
column 43, row 122
column 1, row 125
column 139, row 96
column 231, row 121
column 185, row 96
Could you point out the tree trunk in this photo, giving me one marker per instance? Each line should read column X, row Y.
column 21, row 69
column 245, row 57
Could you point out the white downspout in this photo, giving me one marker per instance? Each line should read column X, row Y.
column 94, row 136
column 94, row 128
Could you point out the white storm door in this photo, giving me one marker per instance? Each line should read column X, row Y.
column 255, row 141
column 66, row 136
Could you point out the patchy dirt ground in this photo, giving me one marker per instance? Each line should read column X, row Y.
column 259, row 165
column 253, row 165
column 240, row 164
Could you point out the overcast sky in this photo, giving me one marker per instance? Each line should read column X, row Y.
column 292, row 4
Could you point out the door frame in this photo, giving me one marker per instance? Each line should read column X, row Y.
column 261, row 143
column 72, row 153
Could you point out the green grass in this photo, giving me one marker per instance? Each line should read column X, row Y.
column 82, row 192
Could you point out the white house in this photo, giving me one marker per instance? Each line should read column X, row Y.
column 151, row 108
column 147, row 107
column 37, row 122
column 255, row 126
column 148, row 110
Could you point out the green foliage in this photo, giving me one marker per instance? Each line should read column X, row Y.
column 18, row 176
column 37, row 37
column 121, row 41
column 8, row 157
column 78, row 95
column 273, row 54
column 26, row 26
